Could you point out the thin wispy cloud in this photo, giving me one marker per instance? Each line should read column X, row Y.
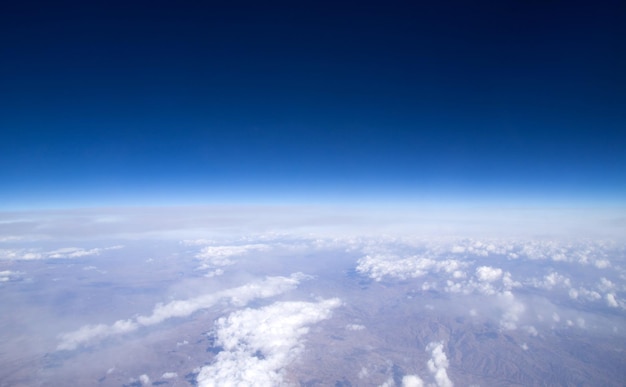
column 239, row 296
column 25, row 254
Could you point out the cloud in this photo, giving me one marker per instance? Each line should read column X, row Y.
column 388, row 383
column 75, row 252
column 552, row 280
column 145, row 380
column 611, row 301
column 606, row 285
column 169, row 375
column 66, row 252
column 220, row 255
column 379, row 266
column 438, row 364
column 8, row 275
column 213, row 258
column 259, row 343
column 581, row 292
column 488, row 274
column 512, row 310
column 239, row 296
column 412, row 381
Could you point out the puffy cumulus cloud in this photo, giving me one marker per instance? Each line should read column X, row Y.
column 438, row 364
column 239, row 296
column 380, row 266
column 484, row 248
column 145, row 380
column 66, row 252
column 585, row 294
column 585, row 252
column 412, row 381
column 550, row 281
column 169, row 375
column 606, row 285
column 396, row 258
column 611, row 301
column 486, row 281
column 488, row 274
column 259, row 343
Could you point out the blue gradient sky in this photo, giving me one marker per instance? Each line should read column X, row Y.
column 130, row 103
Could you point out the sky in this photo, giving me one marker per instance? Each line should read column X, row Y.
column 135, row 103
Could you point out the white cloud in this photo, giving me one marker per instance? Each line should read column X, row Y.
column 217, row 256
column 551, row 280
column 169, row 375
column 602, row 263
column 458, row 249
column 606, row 285
column 66, row 252
column 513, row 309
column 438, row 364
column 239, row 296
column 380, row 266
column 388, row 383
column 259, row 343
column 8, row 275
column 145, row 380
column 589, row 295
column 488, row 274
column 412, row 381
column 611, row 301
column 355, row 327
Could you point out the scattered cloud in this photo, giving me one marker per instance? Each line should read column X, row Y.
column 380, row 266
column 611, row 301
column 465, row 267
column 145, row 380
column 239, row 296
column 217, row 256
column 259, row 343
column 512, row 310
column 8, row 275
column 550, row 281
column 488, row 274
column 412, row 381
column 438, row 364
column 23, row 254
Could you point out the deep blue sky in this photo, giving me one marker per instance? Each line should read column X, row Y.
column 142, row 102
